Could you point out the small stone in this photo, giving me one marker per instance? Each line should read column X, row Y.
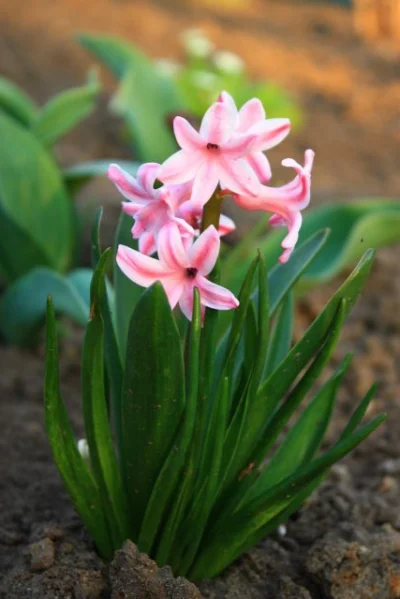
column 42, row 554
column 91, row 583
column 66, row 547
column 387, row 484
column 54, row 532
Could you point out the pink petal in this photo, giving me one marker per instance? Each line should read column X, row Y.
column 252, row 112
column 260, row 165
column 293, row 223
column 239, row 145
column 147, row 175
column 218, row 123
column 186, row 302
column 204, row 252
column 237, row 176
column 269, row 133
column 147, row 243
column 186, row 136
column 180, row 167
column 226, row 225
column 140, row 269
column 126, row 184
column 132, row 208
column 226, row 98
column 170, row 248
column 205, row 182
column 174, row 288
column 215, row 296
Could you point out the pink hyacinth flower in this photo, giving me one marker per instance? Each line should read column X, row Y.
column 286, row 202
column 214, row 155
column 179, row 269
column 251, row 119
column 151, row 208
column 193, row 215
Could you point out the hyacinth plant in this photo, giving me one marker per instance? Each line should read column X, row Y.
column 186, row 410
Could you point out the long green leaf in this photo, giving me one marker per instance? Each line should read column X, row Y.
column 176, row 462
column 238, row 532
column 65, row 110
column 153, row 397
column 16, row 103
column 282, row 335
column 95, row 412
column 112, row 351
column 23, row 304
column 76, row 475
column 33, row 199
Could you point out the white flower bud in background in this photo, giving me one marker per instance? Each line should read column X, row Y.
column 196, row 43
column 204, row 79
column 228, row 62
column 167, row 66
column 83, row 448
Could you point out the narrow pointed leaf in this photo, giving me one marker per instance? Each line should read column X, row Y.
column 177, row 462
column 95, row 412
column 359, row 412
column 153, row 397
column 76, row 475
column 282, row 335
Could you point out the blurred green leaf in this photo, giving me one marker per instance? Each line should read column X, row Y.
column 23, row 304
column 153, row 396
column 65, row 110
column 282, row 334
column 80, row 174
column 33, row 205
column 145, row 98
column 16, row 103
column 355, row 226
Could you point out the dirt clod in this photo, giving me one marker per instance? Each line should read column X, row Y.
column 42, row 554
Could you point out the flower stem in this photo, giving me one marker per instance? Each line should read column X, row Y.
column 212, row 211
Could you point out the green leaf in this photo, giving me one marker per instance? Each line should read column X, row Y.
column 236, row 533
column 127, row 293
column 176, row 463
column 282, row 335
column 16, row 103
column 23, row 304
column 359, row 412
column 145, row 99
column 193, row 528
column 153, row 396
column 33, row 205
column 65, row 110
column 112, row 351
column 303, row 439
column 75, row 473
column 95, row 413
column 78, row 175
column 354, row 226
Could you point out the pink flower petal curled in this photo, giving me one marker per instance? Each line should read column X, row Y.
column 226, row 225
column 147, row 243
column 205, row 183
column 269, row 133
column 237, row 176
column 260, row 165
column 186, row 136
column 170, row 248
column 204, row 252
column 215, row 296
column 126, row 184
column 147, row 175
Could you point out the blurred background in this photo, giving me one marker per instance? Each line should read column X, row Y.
column 336, row 62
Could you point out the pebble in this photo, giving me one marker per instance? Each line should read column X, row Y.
column 42, row 554
column 91, row 583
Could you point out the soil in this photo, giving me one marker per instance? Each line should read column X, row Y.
column 345, row 542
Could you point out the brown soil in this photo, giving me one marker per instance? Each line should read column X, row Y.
column 345, row 543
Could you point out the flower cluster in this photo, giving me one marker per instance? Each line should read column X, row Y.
column 225, row 157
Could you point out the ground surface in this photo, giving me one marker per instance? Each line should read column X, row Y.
column 344, row 543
